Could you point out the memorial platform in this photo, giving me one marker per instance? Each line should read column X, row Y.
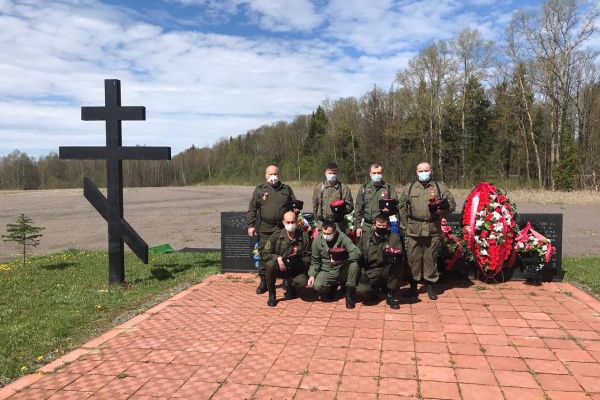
column 219, row 340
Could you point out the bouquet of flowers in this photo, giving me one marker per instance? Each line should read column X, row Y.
column 488, row 228
column 255, row 254
column 451, row 248
column 530, row 241
column 303, row 224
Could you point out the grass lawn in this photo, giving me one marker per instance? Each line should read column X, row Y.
column 584, row 272
column 60, row 301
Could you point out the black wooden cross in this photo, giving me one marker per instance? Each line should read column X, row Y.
column 111, row 207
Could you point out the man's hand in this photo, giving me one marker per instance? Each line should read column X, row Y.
column 333, row 262
column 251, row 231
column 281, row 264
column 311, row 282
column 358, row 232
column 438, row 211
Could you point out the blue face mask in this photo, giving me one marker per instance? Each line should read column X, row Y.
column 331, row 177
column 424, row 176
column 376, row 178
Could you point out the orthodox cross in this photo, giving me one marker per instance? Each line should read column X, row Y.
column 111, row 207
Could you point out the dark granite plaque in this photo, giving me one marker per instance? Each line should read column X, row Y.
column 550, row 225
column 236, row 245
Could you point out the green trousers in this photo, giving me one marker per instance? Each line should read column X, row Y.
column 265, row 231
column 298, row 275
column 346, row 274
column 422, row 255
column 371, row 279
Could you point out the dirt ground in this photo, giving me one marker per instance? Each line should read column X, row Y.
column 191, row 217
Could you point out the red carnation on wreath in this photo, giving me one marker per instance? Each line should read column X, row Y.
column 488, row 228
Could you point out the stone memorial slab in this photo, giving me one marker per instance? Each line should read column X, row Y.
column 236, row 245
column 550, row 225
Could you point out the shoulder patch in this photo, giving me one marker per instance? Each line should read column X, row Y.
column 268, row 245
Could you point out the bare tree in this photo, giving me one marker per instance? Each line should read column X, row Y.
column 551, row 37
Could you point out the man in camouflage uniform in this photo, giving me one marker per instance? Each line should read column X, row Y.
column 325, row 273
column 279, row 246
column 367, row 200
column 328, row 191
column 422, row 227
column 267, row 204
column 376, row 272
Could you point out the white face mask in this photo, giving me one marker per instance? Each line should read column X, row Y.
column 273, row 179
column 328, row 236
column 290, row 227
column 376, row 178
column 424, row 176
column 331, row 177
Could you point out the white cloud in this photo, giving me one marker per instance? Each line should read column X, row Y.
column 200, row 83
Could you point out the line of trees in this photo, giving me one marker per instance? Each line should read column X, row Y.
column 524, row 109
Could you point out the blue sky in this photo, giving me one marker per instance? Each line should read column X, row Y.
column 206, row 69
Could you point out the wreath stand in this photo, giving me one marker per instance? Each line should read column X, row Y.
column 476, row 274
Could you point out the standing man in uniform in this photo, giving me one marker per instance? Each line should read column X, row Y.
column 286, row 255
column 325, row 272
column 377, row 272
column 423, row 204
column 267, row 205
column 367, row 200
column 328, row 191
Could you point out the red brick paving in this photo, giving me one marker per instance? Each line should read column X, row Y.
column 505, row 341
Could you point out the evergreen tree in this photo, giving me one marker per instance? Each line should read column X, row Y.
column 566, row 171
column 24, row 233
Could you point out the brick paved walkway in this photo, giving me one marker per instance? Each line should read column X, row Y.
column 219, row 340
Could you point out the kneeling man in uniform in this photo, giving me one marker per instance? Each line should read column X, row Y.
column 334, row 259
column 287, row 256
column 382, row 256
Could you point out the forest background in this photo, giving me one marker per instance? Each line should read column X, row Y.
column 524, row 111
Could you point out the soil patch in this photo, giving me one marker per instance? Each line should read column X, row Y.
column 191, row 217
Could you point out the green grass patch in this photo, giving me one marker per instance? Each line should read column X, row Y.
column 58, row 302
column 584, row 272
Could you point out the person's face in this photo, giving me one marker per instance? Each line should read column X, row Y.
column 289, row 218
column 328, row 231
column 423, row 168
column 376, row 171
column 379, row 224
column 272, row 171
column 331, row 172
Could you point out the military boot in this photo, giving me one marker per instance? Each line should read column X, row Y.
column 331, row 293
column 412, row 291
column 290, row 290
column 431, row 291
column 374, row 297
column 262, row 286
column 391, row 300
column 272, row 301
column 350, row 298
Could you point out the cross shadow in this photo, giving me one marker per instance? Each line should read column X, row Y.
column 161, row 274
column 57, row 266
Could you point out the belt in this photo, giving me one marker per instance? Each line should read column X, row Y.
column 277, row 224
column 422, row 219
